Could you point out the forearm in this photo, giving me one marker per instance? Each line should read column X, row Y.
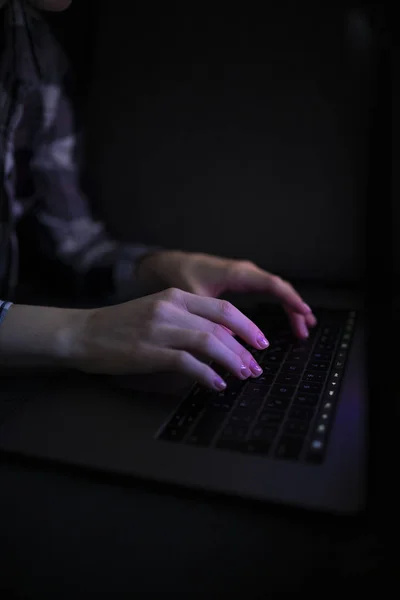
column 39, row 336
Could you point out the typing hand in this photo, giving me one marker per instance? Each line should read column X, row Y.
column 172, row 331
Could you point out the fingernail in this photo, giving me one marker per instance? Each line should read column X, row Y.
column 219, row 384
column 313, row 322
column 307, row 308
column 304, row 332
column 255, row 367
column 245, row 372
column 262, row 341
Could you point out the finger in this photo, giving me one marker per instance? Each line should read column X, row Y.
column 299, row 330
column 298, row 324
column 210, row 347
column 224, row 313
column 180, row 361
column 204, row 333
column 311, row 320
column 258, row 280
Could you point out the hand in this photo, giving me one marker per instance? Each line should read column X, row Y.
column 166, row 332
column 212, row 276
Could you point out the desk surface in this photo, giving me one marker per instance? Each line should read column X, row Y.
column 74, row 535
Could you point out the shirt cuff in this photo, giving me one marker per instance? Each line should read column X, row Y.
column 4, row 306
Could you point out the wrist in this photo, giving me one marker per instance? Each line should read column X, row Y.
column 41, row 336
column 153, row 269
column 69, row 347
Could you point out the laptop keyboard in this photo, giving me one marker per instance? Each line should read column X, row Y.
column 287, row 412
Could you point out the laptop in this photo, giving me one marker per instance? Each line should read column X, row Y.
column 296, row 435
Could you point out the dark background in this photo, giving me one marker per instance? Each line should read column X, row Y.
column 263, row 135
column 236, row 132
column 230, row 130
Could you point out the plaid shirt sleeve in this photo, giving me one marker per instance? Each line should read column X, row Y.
column 71, row 235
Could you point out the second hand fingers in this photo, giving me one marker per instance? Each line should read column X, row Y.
column 297, row 323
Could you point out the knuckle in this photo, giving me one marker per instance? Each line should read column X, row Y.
column 181, row 360
column 173, row 294
column 206, row 341
column 160, row 310
column 245, row 356
column 276, row 280
column 226, row 308
column 246, row 264
column 242, row 266
column 218, row 331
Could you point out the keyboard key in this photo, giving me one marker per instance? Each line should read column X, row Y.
column 234, row 385
column 339, row 364
column 321, row 429
column 232, row 437
column 276, row 358
column 316, row 451
column 250, row 402
column 256, row 390
column 310, row 400
column 322, row 356
column 182, row 420
column 301, row 413
column 289, row 447
column 261, row 440
column 331, row 394
column 299, row 350
column 270, row 369
column 192, row 405
column 265, row 378
column 314, row 377
column 296, row 358
column 325, row 347
column 326, row 406
column 283, row 391
column 296, row 428
column 291, row 378
column 277, row 403
column 310, row 388
column 306, row 344
column 331, row 331
column 173, row 434
column 270, row 417
column 292, row 368
column 282, row 347
column 206, row 429
column 223, row 401
column 243, row 416
column 317, row 366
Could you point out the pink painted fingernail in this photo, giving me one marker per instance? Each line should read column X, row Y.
column 262, row 341
column 219, row 384
column 255, row 367
column 304, row 331
column 245, row 372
